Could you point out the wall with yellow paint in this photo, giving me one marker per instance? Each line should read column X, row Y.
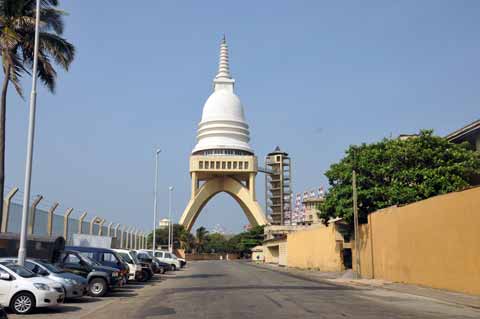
column 434, row 243
column 315, row 248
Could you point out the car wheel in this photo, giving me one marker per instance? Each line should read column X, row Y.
column 22, row 303
column 97, row 287
column 174, row 267
column 144, row 276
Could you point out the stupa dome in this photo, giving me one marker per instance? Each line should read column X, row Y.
column 223, row 124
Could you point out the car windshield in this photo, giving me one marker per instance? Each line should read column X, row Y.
column 126, row 258
column 50, row 267
column 20, row 270
column 133, row 255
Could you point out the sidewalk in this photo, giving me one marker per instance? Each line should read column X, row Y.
column 345, row 278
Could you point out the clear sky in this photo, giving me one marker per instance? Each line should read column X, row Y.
column 314, row 77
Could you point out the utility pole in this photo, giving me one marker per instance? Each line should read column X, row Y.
column 22, row 250
column 170, row 224
column 155, row 190
column 355, row 223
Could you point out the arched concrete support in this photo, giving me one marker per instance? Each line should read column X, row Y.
column 68, row 212
column 31, row 219
column 100, row 227
column 80, row 222
column 244, row 196
column 50, row 218
column 6, row 208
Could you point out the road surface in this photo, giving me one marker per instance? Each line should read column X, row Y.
column 228, row 289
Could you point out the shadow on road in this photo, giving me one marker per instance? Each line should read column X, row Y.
column 257, row 287
column 200, row 276
column 84, row 299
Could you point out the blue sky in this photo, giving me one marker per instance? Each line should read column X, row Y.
column 314, row 77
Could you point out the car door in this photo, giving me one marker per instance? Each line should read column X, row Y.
column 73, row 264
column 5, row 287
column 110, row 260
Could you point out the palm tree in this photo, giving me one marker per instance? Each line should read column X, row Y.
column 201, row 235
column 17, row 34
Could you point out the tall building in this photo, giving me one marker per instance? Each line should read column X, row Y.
column 278, row 191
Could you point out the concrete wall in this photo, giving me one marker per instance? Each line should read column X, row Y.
column 315, row 248
column 434, row 243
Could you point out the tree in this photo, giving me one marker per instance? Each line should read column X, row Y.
column 17, row 34
column 215, row 243
column 397, row 172
column 181, row 238
column 243, row 242
column 201, row 237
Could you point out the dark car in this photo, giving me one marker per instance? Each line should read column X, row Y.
column 156, row 265
column 100, row 278
column 106, row 257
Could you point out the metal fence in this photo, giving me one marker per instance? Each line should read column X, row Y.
column 50, row 219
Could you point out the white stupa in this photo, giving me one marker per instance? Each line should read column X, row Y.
column 223, row 128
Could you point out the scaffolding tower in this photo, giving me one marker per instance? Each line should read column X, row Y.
column 278, row 191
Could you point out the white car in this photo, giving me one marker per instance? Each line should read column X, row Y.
column 134, row 268
column 166, row 257
column 23, row 291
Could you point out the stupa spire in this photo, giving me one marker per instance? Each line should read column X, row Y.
column 223, row 66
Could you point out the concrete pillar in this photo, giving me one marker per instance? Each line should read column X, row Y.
column 251, row 185
column 6, row 208
column 65, row 222
column 50, row 218
column 80, row 222
column 109, row 229
column 31, row 219
column 100, row 227
column 194, row 184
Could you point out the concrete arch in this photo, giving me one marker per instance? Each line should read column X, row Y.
column 244, row 196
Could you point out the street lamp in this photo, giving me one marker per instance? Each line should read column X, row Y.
column 22, row 251
column 155, row 190
column 170, row 225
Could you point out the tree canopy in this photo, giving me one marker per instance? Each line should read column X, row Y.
column 397, row 172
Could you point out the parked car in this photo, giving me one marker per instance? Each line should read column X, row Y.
column 100, row 278
column 74, row 286
column 183, row 261
column 147, row 272
column 105, row 257
column 23, row 291
column 135, row 268
column 157, row 266
column 166, row 257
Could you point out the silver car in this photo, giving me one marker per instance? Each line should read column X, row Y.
column 74, row 286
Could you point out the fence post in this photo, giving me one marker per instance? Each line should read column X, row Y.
column 6, row 208
column 80, row 222
column 50, row 218
column 92, row 221
column 100, row 227
column 115, row 230
column 31, row 219
column 136, row 239
column 121, row 236
column 65, row 222
column 109, row 229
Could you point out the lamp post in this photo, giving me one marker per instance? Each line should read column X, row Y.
column 170, row 225
column 155, row 190
column 22, row 251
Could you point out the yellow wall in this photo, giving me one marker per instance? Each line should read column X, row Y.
column 435, row 243
column 315, row 248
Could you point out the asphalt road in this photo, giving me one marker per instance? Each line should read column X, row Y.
column 226, row 289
